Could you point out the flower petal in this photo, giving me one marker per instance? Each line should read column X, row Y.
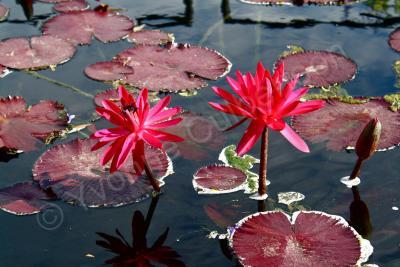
column 294, row 139
column 306, row 107
column 163, row 136
column 159, row 106
column 250, row 137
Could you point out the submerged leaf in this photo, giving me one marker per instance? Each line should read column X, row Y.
column 307, row 239
column 74, row 174
column 24, row 198
column 168, row 68
column 340, row 124
column 21, row 127
column 79, row 27
column 150, row 37
column 394, row 40
column 319, row 68
column 35, row 52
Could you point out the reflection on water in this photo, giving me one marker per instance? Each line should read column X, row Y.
column 138, row 253
column 359, row 215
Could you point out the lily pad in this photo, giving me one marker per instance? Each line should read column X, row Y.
column 74, row 173
column 21, row 127
column 218, row 180
column 36, row 52
column 298, row 2
column 168, row 68
column 3, row 12
column 79, row 27
column 24, row 198
column 150, row 37
column 69, row 6
column 340, row 124
column 319, row 68
column 307, row 239
column 267, row 2
column 394, row 40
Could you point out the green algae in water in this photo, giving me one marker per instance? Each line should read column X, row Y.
column 245, row 163
column 394, row 101
column 292, row 49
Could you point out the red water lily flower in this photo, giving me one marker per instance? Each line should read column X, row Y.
column 261, row 99
column 137, row 123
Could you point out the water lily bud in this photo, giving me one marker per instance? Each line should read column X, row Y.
column 368, row 140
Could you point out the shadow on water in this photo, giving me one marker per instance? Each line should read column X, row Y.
column 139, row 253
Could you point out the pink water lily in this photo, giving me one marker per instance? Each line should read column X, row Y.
column 136, row 124
column 262, row 100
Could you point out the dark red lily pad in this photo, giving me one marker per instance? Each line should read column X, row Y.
column 201, row 137
column 319, row 68
column 74, row 173
column 21, row 127
column 54, row 1
column 150, row 37
column 394, row 40
column 24, row 198
column 168, row 68
column 311, row 239
column 69, row 6
column 340, row 124
column 108, row 71
column 36, row 52
column 79, row 27
column 3, row 12
column 218, row 179
column 110, row 94
column 267, row 2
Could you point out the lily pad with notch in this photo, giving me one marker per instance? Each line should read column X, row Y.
column 340, row 124
column 37, row 52
column 163, row 68
column 80, row 27
column 21, row 127
column 307, row 238
column 74, row 173
column 24, row 198
column 319, row 68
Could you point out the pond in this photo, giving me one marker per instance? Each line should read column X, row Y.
column 65, row 235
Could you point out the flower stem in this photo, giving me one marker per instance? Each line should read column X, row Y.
column 262, row 180
column 152, row 179
column 356, row 169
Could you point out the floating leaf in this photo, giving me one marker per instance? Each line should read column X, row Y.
column 150, row 37
column 393, row 100
column 168, row 68
column 218, row 180
column 69, row 6
column 24, row 198
column 74, row 174
column 110, row 94
column 394, row 40
column 245, row 163
column 3, row 12
column 307, row 239
column 21, row 127
column 267, row 2
column 290, row 197
column 36, row 52
column 340, row 124
column 108, row 71
column 319, row 68
column 79, row 27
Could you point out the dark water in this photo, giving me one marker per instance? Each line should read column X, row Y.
column 247, row 34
